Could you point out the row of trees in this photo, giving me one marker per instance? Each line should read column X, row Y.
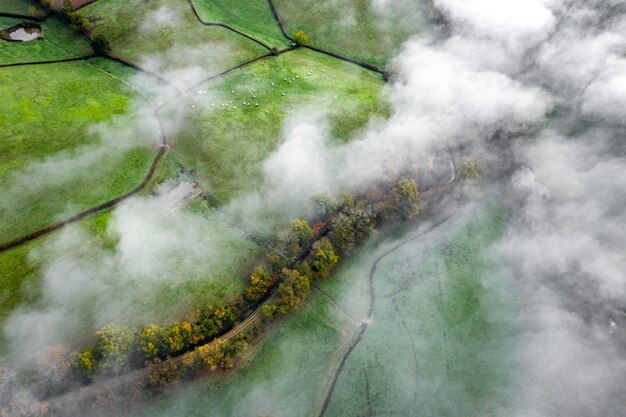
column 115, row 344
column 339, row 229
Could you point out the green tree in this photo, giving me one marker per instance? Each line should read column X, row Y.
column 406, row 195
column 115, row 342
column 351, row 227
column 85, row 362
column 324, row 258
column 100, row 45
column 470, row 169
column 301, row 229
column 325, row 203
column 293, row 290
column 301, row 38
column 260, row 281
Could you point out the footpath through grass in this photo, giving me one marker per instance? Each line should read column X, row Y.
column 54, row 164
column 227, row 140
column 442, row 332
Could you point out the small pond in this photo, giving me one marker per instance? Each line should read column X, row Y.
column 21, row 33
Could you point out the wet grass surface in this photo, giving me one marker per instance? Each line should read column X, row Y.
column 281, row 376
column 59, row 42
column 185, row 281
column 356, row 28
column 254, row 19
column 226, row 141
column 53, row 164
column 439, row 343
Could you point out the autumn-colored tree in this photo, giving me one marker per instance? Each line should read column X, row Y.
column 406, row 197
column 260, row 281
column 153, row 341
column 84, row 362
column 301, row 230
column 324, row 258
column 293, row 290
column 115, row 342
column 163, row 372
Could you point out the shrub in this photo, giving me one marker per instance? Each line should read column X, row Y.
column 300, row 38
column 100, row 45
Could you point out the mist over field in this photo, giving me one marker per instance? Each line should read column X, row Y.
column 507, row 300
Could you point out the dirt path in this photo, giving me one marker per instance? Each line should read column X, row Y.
column 370, row 311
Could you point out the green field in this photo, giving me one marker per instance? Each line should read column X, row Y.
column 227, row 145
column 439, row 342
column 59, row 42
column 255, row 19
column 165, row 37
column 54, row 164
column 355, row 28
column 22, row 7
column 206, row 264
column 282, row 376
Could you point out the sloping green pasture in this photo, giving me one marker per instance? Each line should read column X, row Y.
column 254, row 19
column 54, row 164
column 227, row 140
column 164, row 36
column 356, row 28
column 59, row 42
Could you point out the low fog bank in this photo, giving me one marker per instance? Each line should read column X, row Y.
column 551, row 69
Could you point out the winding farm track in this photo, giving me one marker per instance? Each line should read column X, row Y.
column 370, row 311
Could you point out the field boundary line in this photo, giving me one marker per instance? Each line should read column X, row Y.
column 108, row 204
column 226, row 26
column 363, row 64
column 54, row 61
column 25, row 16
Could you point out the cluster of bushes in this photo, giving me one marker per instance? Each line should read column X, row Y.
column 342, row 228
column 115, row 344
column 219, row 354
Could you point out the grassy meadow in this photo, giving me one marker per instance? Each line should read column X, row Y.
column 22, row 7
column 165, row 37
column 54, row 164
column 255, row 19
column 59, row 42
column 226, row 140
column 356, row 28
